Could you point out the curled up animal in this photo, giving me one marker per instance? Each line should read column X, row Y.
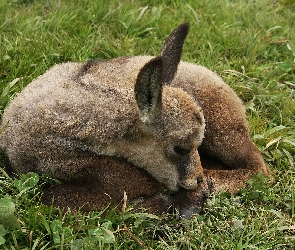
column 134, row 124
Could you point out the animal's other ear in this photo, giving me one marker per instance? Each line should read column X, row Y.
column 171, row 51
column 148, row 89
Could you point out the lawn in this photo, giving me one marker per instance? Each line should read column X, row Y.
column 250, row 44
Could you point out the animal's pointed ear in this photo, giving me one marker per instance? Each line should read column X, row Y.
column 148, row 89
column 171, row 51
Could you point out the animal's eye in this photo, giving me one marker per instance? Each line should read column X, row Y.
column 181, row 150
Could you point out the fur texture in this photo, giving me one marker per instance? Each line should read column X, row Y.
column 125, row 123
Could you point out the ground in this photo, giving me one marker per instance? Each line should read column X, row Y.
column 250, row 44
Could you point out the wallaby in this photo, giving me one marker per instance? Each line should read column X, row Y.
column 148, row 111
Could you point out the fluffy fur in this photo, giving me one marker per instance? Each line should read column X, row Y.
column 125, row 123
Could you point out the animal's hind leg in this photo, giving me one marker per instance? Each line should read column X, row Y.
column 227, row 133
column 237, row 151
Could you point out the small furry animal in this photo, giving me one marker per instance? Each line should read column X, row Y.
column 89, row 122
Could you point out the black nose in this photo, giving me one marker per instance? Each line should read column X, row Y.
column 200, row 179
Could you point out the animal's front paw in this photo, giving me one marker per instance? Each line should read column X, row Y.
column 187, row 213
column 190, row 202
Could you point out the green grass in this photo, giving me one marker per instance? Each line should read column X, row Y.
column 251, row 44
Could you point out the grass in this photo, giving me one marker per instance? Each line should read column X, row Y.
column 251, row 44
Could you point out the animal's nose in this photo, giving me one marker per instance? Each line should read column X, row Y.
column 200, row 179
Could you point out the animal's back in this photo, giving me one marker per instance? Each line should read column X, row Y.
column 78, row 100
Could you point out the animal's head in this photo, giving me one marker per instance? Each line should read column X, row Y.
column 171, row 122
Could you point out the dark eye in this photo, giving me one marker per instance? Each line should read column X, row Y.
column 181, row 150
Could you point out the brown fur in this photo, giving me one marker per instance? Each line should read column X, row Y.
column 95, row 188
column 89, row 124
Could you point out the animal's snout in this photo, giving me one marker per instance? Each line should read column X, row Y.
column 192, row 183
column 191, row 172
